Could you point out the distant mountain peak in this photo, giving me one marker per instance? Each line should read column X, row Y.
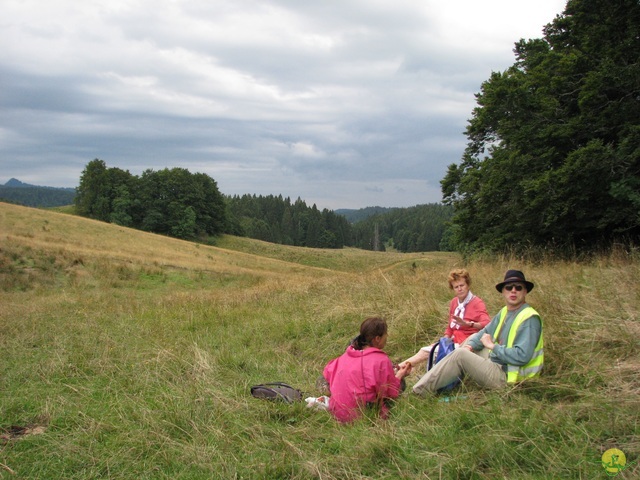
column 20, row 193
column 14, row 182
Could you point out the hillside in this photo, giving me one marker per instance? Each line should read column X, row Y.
column 130, row 355
column 15, row 191
column 85, row 241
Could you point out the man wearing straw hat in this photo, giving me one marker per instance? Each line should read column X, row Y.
column 509, row 349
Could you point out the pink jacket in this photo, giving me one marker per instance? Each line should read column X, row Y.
column 475, row 311
column 358, row 377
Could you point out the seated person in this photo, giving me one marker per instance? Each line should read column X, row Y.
column 508, row 350
column 467, row 315
column 363, row 376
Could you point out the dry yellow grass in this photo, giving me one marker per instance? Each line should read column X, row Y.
column 69, row 235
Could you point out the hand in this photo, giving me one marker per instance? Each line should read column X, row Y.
column 404, row 369
column 459, row 321
column 487, row 341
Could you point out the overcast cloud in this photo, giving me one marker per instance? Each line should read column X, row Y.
column 345, row 104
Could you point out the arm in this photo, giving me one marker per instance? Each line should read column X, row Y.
column 474, row 342
column 523, row 345
column 417, row 359
column 388, row 382
column 329, row 370
column 480, row 314
column 475, row 317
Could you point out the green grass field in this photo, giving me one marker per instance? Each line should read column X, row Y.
column 130, row 355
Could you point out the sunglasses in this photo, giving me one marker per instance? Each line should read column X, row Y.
column 518, row 288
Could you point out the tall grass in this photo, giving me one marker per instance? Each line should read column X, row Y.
column 128, row 355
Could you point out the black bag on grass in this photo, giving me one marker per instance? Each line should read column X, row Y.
column 277, row 391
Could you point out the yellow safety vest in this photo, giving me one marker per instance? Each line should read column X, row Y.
column 518, row 373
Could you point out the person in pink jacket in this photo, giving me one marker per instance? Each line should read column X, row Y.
column 363, row 375
column 467, row 314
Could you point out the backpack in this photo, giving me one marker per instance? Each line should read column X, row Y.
column 445, row 346
column 276, row 391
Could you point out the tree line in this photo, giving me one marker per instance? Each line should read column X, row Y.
column 41, row 197
column 15, row 191
column 414, row 229
column 185, row 205
column 553, row 153
column 278, row 220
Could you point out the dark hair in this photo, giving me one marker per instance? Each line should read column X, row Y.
column 371, row 328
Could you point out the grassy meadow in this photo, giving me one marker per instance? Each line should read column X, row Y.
column 130, row 355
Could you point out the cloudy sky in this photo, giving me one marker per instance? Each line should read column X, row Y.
column 345, row 104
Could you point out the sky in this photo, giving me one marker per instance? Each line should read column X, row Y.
column 344, row 104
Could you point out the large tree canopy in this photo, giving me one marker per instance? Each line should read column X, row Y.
column 173, row 202
column 553, row 158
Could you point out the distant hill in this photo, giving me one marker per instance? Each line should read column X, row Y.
column 20, row 193
column 357, row 215
column 14, row 182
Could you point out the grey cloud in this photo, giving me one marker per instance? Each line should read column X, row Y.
column 345, row 104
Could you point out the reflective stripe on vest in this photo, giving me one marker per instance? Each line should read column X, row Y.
column 534, row 366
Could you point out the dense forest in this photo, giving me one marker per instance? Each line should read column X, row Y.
column 15, row 191
column 414, row 229
column 178, row 203
column 553, row 154
column 354, row 216
column 278, row 220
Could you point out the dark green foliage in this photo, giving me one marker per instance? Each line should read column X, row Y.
column 180, row 204
column 172, row 202
column 277, row 220
column 553, row 157
column 354, row 216
column 99, row 187
column 121, row 207
column 415, row 229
